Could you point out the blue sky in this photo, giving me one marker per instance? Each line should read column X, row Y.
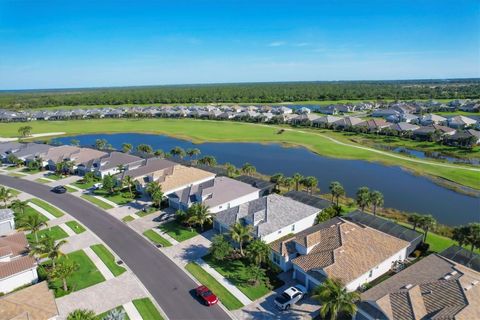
column 56, row 44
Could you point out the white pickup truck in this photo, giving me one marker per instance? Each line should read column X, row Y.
column 289, row 297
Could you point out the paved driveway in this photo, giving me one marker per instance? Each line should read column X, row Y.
column 167, row 283
column 191, row 249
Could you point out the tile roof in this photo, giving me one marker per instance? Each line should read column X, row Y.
column 17, row 242
column 16, row 265
column 182, row 176
column 6, row 214
column 114, row 159
column 57, row 154
column 150, row 166
column 32, row 303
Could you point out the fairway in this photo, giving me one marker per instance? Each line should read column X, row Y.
column 320, row 142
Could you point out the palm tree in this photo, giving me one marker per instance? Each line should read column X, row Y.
column 49, row 248
column 101, row 144
column 376, row 199
column 363, row 197
column 25, row 131
column 473, row 238
column 277, row 178
column 335, row 299
column 127, row 147
column 81, row 314
column 258, row 251
column 336, row 190
column 311, row 183
column 460, row 234
column 145, row 148
column 256, row 274
column 159, row 153
column 5, row 195
column 67, row 167
column 230, row 169
column 178, row 152
column 199, row 214
column 208, row 161
column 63, row 270
column 241, row 234
column 297, row 178
column 289, row 182
column 414, row 219
column 19, row 206
column 121, row 168
column 154, row 189
column 129, row 182
column 426, row 223
column 248, row 169
column 195, row 152
column 33, row 223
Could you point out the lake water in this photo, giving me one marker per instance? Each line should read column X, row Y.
column 402, row 190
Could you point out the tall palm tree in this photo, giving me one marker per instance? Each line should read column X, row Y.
column 311, row 183
column 248, row 169
column 154, row 189
column 337, row 191
column 67, row 167
column 414, row 219
column 193, row 152
column 81, row 314
column 63, row 270
column 289, row 182
column 129, row 182
column 5, row 195
column 335, row 299
column 178, row 152
column 199, row 214
column 33, row 223
column 363, row 197
column 127, row 147
column 460, row 234
column 376, row 199
column 258, row 251
column 277, row 178
column 230, row 169
column 473, row 238
column 241, row 234
column 19, row 206
column 145, row 148
column 52, row 249
column 427, row 223
column 208, row 161
column 297, row 178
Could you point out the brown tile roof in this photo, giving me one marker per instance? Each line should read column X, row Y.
column 85, row 155
column 17, row 243
column 182, row 176
column 5, row 251
column 33, row 303
column 16, row 265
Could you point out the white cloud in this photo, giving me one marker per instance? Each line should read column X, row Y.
column 277, row 43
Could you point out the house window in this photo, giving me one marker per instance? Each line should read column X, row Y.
column 293, row 227
column 276, row 258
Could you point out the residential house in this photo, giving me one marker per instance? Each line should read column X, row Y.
column 374, row 125
column 35, row 302
column 84, row 159
column 282, row 110
column 330, row 110
column 114, row 162
column 384, row 113
column 433, row 288
column 460, row 122
column 303, row 110
column 351, row 252
column 217, row 194
column 271, row 217
column 57, row 155
column 403, row 127
column 470, row 107
column 265, row 186
column 347, row 122
column 170, row 175
column 409, row 118
column 465, row 138
column 17, row 268
column 30, row 151
column 7, row 221
column 325, row 121
column 427, row 131
column 304, row 119
column 7, row 148
column 430, row 119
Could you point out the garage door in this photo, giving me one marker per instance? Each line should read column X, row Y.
column 301, row 277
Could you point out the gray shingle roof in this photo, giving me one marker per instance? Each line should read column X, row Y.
column 6, row 214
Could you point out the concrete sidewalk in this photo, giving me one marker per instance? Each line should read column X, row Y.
column 131, row 311
column 224, row 282
column 113, row 204
column 107, row 274
column 42, row 211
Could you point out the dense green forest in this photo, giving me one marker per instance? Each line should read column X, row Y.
column 245, row 92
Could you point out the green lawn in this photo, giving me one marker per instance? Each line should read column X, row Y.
column 108, row 258
column 204, row 130
column 75, row 226
column 42, row 180
column 16, row 175
column 10, row 168
column 457, row 113
column 70, row 189
column 120, row 198
column 97, row 202
column 54, row 176
column 147, row 309
column 236, row 272
column 28, row 211
column 48, row 207
column 30, row 171
column 54, row 232
column 177, row 231
column 148, row 211
column 156, row 238
column 128, row 218
column 14, row 192
column 104, row 314
column 84, row 186
column 87, row 274
column 228, row 299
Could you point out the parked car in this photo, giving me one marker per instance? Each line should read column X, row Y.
column 59, row 189
column 97, row 186
column 206, row 295
column 289, row 297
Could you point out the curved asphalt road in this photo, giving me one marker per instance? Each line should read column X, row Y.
column 168, row 284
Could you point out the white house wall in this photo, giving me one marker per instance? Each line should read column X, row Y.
column 235, row 202
column 20, row 279
column 298, row 226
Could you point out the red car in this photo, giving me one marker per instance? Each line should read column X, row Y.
column 206, row 295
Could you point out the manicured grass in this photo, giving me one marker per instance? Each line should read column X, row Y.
column 70, row 189
column 97, row 202
column 108, row 258
column 54, row 176
column 128, row 218
column 120, row 198
column 148, row 211
column 54, row 232
column 156, row 238
column 16, row 175
column 228, row 299
column 42, row 180
column 87, row 274
column 26, row 212
column 75, row 226
column 10, row 168
column 457, row 113
column 237, row 272
column 177, row 231
column 30, row 171
column 147, row 310
column 14, row 192
column 84, row 186
column 205, row 130
column 48, row 207
column 104, row 314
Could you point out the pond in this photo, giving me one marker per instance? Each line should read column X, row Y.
column 435, row 155
column 402, row 190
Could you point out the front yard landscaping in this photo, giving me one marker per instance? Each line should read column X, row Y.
column 97, row 202
column 42, row 180
column 54, row 232
column 178, row 231
column 146, row 309
column 148, row 210
column 84, row 185
column 70, row 189
column 228, row 299
column 26, row 212
column 30, row 171
column 108, row 258
column 48, row 207
column 156, row 238
column 75, row 226
column 85, row 276
column 55, row 176
column 118, row 197
column 16, row 175
column 104, row 314
column 128, row 218
column 236, row 271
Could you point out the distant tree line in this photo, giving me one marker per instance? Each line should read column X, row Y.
column 245, row 92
